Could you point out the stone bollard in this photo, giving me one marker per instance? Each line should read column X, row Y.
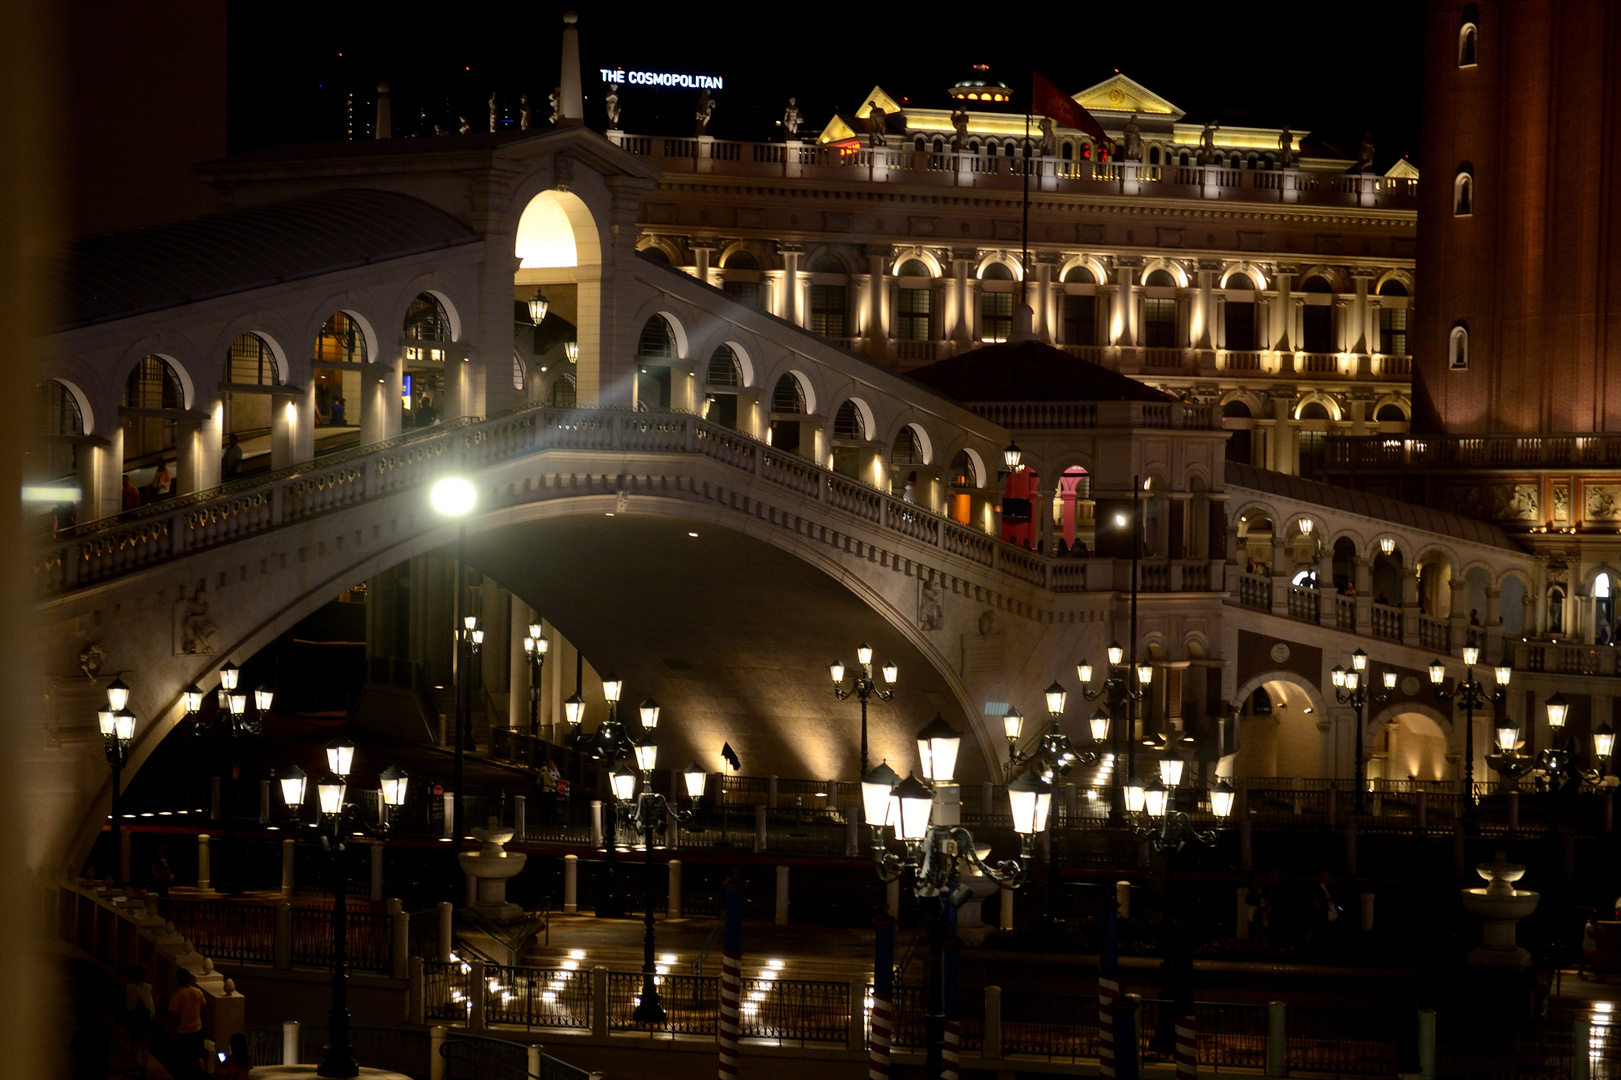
column 204, row 881
column 852, row 839
column 264, row 802
column 1122, row 898
column 1350, row 847
column 213, row 798
column 1276, row 1058
column 376, row 873
column 571, row 884
column 672, row 909
column 284, row 936
column 596, row 823
column 782, row 896
column 892, row 899
column 762, row 828
column 520, row 818
column 1514, row 811
column 1367, row 912
column 436, row 1059
column 448, row 801
column 289, row 1042
column 1004, row 914
column 533, row 1063
column 1426, row 1044
column 446, row 930
column 991, row 1031
column 399, row 939
column 230, row 1013
column 416, row 1000
column 287, row 856
column 476, row 991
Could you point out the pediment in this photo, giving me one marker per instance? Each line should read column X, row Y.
column 885, row 102
column 1119, row 94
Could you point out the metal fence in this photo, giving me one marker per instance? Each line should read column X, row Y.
column 447, row 991
column 538, row 997
column 227, row 931
column 368, row 940
column 691, row 1003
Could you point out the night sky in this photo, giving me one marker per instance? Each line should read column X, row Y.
column 1333, row 74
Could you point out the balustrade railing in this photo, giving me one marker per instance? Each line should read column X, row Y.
column 1387, row 622
column 1435, row 633
column 1255, row 591
column 1303, row 603
column 1345, row 612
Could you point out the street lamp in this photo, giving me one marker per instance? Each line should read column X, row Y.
column 338, row 820
column 1169, row 829
column 608, row 744
column 1354, row 688
column 535, row 647
column 648, row 813
column 455, row 497
column 117, row 732
column 1053, row 752
column 925, row 818
column 1561, row 764
column 1120, row 692
column 1472, row 694
column 864, row 687
column 234, row 718
column 538, row 306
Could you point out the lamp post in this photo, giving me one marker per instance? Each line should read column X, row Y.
column 1052, row 752
column 1119, row 692
column 340, row 819
column 233, row 719
column 1354, row 688
column 117, row 731
column 924, row 817
column 608, row 744
column 454, row 497
column 534, row 650
column 1169, row 829
column 648, row 813
column 1472, row 694
column 1560, row 763
column 864, row 687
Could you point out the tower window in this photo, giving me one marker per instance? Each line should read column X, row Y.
column 1463, row 194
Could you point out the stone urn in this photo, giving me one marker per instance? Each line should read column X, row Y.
column 1500, row 906
column 971, row 927
column 487, row 871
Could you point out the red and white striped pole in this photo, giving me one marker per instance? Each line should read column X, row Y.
column 949, row 1052
column 882, row 1022
column 731, row 971
column 1187, row 1047
column 1108, row 991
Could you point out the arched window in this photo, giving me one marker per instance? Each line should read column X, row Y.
column 990, row 149
column 1182, row 158
column 1317, row 320
column 1249, row 162
column 340, row 341
column 1081, row 274
column 913, row 268
column 427, row 320
column 911, row 319
column 920, row 145
column 1392, row 287
column 908, row 448
column 1469, row 36
column 1233, row 161
column 962, row 473
column 724, row 370
column 1463, row 194
column 153, row 384
column 655, row 254
column 1458, row 349
column 1317, row 283
column 1067, row 151
column 1160, row 277
column 1556, row 609
column 1393, row 323
column 788, row 397
column 996, row 271
column 1390, row 414
column 563, row 395
column 848, row 424
column 828, row 310
column 1153, row 155
column 62, row 413
column 250, row 362
column 827, row 264
column 741, row 260
column 1236, row 408
column 657, row 339
column 939, row 146
column 1313, row 410
column 1603, row 609
column 520, row 377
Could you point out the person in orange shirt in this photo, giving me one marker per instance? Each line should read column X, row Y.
column 186, row 1006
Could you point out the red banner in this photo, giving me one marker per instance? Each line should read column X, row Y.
column 1047, row 100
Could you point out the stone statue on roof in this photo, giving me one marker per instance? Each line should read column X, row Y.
column 1049, row 137
column 495, row 111
column 463, row 127
column 552, row 100
column 526, row 113
column 959, row 127
column 1133, row 150
column 706, row 109
column 1286, row 148
column 791, row 118
column 611, row 104
column 1364, row 153
column 878, row 120
column 1207, row 143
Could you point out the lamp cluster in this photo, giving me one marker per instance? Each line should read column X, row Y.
column 331, row 792
column 117, row 724
column 864, row 687
column 1169, row 829
column 1561, row 764
column 535, row 647
column 1472, row 694
column 233, row 704
column 1053, row 752
column 1354, row 688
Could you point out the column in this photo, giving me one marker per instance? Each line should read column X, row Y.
column 1327, row 597
column 877, row 328
column 292, row 432
column 1343, row 331
column 789, row 308
column 1039, row 296
column 1458, row 613
column 1409, row 603
column 1282, row 568
column 197, row 445
column 1360, row 335
column 1281, row 333
column 1044, row 507
column 1364, row 596
column 700, row 268
column 1124, row 330
column 957, row 326
column 381, row 387
column 1203, row 320
column 1283, row 433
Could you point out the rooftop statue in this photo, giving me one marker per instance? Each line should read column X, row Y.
column 1134, row 141
column 611, row 104
column 791, row 118
column 706, row 109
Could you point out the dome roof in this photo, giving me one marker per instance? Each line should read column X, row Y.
column 981, row 87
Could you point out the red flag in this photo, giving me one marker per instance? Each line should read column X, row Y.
column 1047, row 100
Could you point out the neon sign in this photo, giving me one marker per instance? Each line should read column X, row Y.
column 662, row 78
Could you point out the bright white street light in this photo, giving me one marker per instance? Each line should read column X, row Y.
column 453, row 496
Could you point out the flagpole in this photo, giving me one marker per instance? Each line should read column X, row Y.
column 1024, row 228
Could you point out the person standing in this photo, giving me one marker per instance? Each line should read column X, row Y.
column 238, row 1064
column 137, row 1018
column 337, row 413
column 186, row 1006
column 231, row 461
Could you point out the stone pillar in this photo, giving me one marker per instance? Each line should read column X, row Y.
column 1282, row 571
column 1364, row 596
column 877, row 325
column 1125, row 334
column 1327, row 595
column 1283, row 432
column 376, row 873
column 289, row 1042
column 292, row 427
column 287, row 854
column 761, row 828
column 1359, row 336
column 782, row 896
column 700, row 269
column 960, row 327
column 1004, row 913
column 1281, row 333
column 790, row 307
column 1044, row 507
column 197, row 445
column 571, row 884
column 1041, row 302
column 1203, row 319
column 673, row 906
column 1458, row 614
column 203, row 876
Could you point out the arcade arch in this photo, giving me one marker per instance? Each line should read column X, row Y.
column 1278, row 734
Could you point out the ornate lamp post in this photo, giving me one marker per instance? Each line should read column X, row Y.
column 924, row 817
column 454, row 497
column 1353, row 688
column 1561, row 764
column 1120, row 693
column 233, row 719
column 340, row 819
column 648, row 813
column 534, row 650
column 1169, row 829
column 117, row 732
column 1053, row 752
column 1472, row 694
column 609, row 744
column 864, row 687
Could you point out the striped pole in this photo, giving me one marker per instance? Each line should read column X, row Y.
column 953, row 971
column 1187, row 1024
column 731, row 969
column 1108, row 991
column 883, row 998
column 948, row 1054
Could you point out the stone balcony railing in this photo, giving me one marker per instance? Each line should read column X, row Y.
column 905, row 164
column 1402, row 452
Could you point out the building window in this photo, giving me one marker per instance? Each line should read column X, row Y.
column 657, row 339
column 848, row 424
column 1240, row 325
column 340, row 340
column 427, row 320
column 1160, row 278
column 996, row 271
column 154, row 385
column 1458, row 349
column 912, row 315
column 1390, row 414
column 250, row 362
column 1317, row 328
column 827, row 308
column 62, row 413
column 1153, row 155
column 995, row 315
column 563, row 393
column 788, row 396
column 724, row 370
column 1393, row 330
column 1080, row 320
column 1469, row 36
column 744, row 292
column 1159, row 323
column 1312, row 445
column 1463, row 194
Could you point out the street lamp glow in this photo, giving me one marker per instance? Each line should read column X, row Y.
column 864, row 654
column 1012, row 723
column 1083, row 671
column 392, row 781
column 695, row 779
column 293, row 786
column 117, row 695
column 340, row 756
column 647, row 756
column 891, row 672
column 1145, row 673
column 876, row 788
column 453, row 496
column 650, row 714
column 1100, row 725
column 836, row 669
column 538, row 306
column 1504, row 674
column 1438, row 672
column 1011, row 456
column 124, row 726
column 916, row 802
column 262, row 698
column 937, row 746
column 191, row 699
column 1117, row 655
column 1221, row 799
column 1055, row 698
column 1029, row 797
column 1558, row 709
column 574, row 709
column 612, row 686
column 1337, row 674
column 1387, row 545
column 1603, row 742
column 1135, row 796
column 229, row 674
column 623, row 782
column 1471, row 656
column 330, row 793
column 1359, row 660
column 1390, row 680
column 1508, row 735
column 1155, row 798
column 1170, row 769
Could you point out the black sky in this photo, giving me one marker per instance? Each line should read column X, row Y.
column 1332, row 73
